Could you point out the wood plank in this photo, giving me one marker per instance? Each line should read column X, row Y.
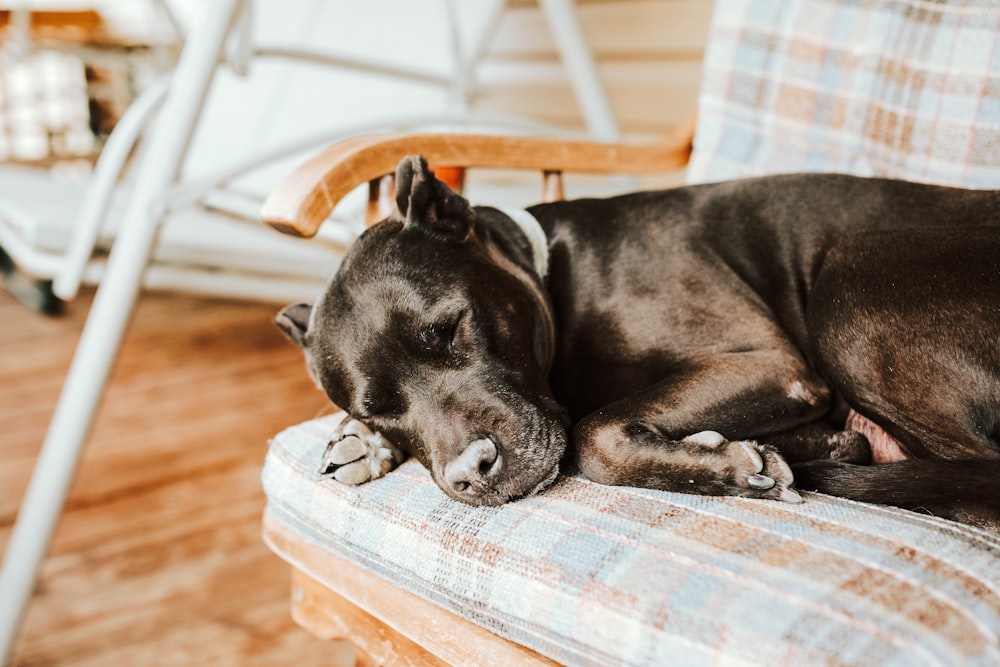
column 452, row 639
column 328, row 615
column 158, row 559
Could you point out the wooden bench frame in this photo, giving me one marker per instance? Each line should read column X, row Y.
column 335, row 599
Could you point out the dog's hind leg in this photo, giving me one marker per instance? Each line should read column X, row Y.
column 911, row 339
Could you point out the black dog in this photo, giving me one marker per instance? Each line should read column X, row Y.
column 646, row 325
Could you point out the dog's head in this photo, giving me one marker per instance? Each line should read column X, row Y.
column 436, row 332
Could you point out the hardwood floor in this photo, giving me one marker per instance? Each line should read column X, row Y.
column 158, row 559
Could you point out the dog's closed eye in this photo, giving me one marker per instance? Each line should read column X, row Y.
column 442, row 335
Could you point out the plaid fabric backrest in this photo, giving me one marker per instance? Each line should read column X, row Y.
column 901, row 88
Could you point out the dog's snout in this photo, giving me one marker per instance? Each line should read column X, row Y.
column 470, row 471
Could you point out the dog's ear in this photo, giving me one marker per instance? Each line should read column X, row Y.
column 294, row 321
column 427, row 203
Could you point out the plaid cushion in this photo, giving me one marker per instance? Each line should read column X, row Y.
column 871, row 87
column 596, row 575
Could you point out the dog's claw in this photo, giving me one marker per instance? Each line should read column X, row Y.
column 754, row 455
column 788, row 495
column 356, row 454
column 759, row 481
column 778, row 470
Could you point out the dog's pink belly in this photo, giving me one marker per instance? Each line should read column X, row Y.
column 885, row 448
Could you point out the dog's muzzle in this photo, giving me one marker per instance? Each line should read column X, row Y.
column 491, row 471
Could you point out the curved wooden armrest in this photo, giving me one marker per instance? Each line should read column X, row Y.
column 304, row 199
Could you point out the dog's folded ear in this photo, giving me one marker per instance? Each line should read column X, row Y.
column 427, row 203
column 293, row 320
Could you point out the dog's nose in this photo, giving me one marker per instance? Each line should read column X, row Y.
column 469, row 472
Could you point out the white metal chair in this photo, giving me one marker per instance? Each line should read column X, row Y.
column 166, row 117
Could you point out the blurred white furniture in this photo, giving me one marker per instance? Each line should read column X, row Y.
column 57, row 230
column 166, row 116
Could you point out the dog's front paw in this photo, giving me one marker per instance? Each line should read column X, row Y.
column 356, row 454
column 749, row 469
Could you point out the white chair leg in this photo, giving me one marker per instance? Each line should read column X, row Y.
column 564, row 24
column 108, row 319
column 97, row 199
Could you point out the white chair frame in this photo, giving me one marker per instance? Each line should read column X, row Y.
column 222, row 34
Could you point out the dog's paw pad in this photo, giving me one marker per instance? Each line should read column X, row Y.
column 356, row 454
column 706, row 439
column 351, row 448
column 354, row 473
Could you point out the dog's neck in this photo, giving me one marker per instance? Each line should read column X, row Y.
column 536, row 237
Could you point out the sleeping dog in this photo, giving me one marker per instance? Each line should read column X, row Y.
column 705, row 339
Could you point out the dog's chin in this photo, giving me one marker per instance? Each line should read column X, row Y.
column 547, row 482
column 502, row 495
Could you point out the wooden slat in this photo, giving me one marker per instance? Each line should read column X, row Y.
column 330, row 616
column 448, row 637
column 303, row 200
